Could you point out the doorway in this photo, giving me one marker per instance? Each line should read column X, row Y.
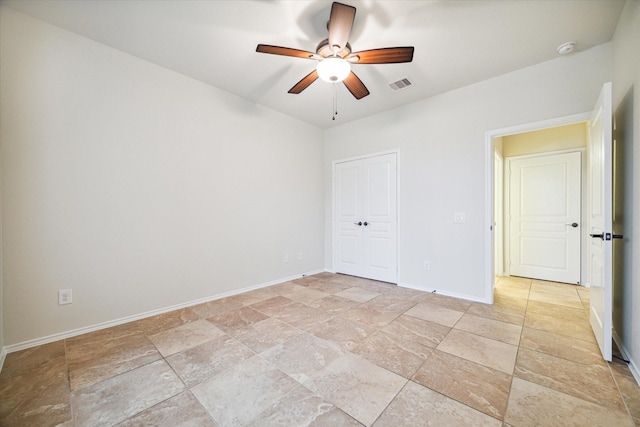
column 500, row 145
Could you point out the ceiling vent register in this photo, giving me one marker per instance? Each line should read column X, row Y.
column 400, row 84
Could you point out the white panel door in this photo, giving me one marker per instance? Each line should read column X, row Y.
column 366, row 218
column 545, row 204
column 600, row 220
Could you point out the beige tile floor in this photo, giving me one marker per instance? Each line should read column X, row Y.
column 333, row 350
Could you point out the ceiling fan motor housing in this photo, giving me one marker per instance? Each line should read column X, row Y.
column 326, row 51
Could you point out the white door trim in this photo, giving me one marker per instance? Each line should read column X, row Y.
column 333, row 203
column 489, row 244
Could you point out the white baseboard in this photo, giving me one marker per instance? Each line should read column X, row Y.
column 84, row 330
column 633, row 367
column 449, row 294
column 3, row 355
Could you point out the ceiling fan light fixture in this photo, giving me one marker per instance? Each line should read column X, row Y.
column 333, row 69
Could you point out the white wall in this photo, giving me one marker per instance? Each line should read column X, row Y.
column 140, row 188
column 626, row 106
column 442, row 161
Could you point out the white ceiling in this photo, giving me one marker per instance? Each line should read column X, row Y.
column 457, row 43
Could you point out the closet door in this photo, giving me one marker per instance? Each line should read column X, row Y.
column 365, row 218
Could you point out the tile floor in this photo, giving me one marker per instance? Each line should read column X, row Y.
column 333, row 350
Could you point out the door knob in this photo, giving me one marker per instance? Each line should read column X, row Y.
column 359, row 223
column 573, row 224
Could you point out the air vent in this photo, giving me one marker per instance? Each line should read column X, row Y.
column 400, row 84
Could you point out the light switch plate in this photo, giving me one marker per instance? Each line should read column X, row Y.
column 459, row 218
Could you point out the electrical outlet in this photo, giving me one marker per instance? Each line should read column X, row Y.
column 459, row 218
column 427, row 265
column 65, row 297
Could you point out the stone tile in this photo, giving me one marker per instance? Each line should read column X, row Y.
column 303, row 356
column 334, row 304
column 400, row 356
column 92, row 359
column 509, row 304
column 116, row 399
column 356, row 386
column 555, row 288
column 416, row 405
column 306, row 295
column 302, row 407
column 237, row 319
column 23, row 361
column 285, row 288
column 514, row 281
column 36, row 394
column 200, row 363
column 569, row 328
column 185, row 337
column 420, row 331
column 435, row 313
column 328, row 287
column 358, row 294
column 584, row 294
column 276, row 306
column 573, row 378
column 577, row 350
column 485, row 351
column 238, row 395
column 563, row 300
column 265, row 334
column 628, row 387
column 304, row 317
column 180, row 410
column 556, row 310
column 509, row 290
column 482, row 388
column 345, row 332
column 391, row 303
column 162, row 322
column 489, row 328
column 445, row 301
column 370, row 316
column 252, row 297
column 532, row 404
column 211, row 308
column 496, row 312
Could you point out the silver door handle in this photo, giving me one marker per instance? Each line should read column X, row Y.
column 573, row 224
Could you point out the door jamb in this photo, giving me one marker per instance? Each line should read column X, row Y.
column 489, row 183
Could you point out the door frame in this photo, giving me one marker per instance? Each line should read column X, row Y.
column 333, row 203
column 489, row 168
column 583, row 205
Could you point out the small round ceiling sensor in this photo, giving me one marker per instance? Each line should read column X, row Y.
column 566, row 48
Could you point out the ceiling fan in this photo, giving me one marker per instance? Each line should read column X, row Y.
column 335, row 56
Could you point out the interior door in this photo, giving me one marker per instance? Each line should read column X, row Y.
column 365, row 201
column 544, row 221
column 600, row 220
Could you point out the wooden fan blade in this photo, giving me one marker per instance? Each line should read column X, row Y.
column 340, row 24
column 386, row 55
column 305, row 82
column 285, row 51
column 355, row 86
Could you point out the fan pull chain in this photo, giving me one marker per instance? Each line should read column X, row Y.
column 335, row 101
